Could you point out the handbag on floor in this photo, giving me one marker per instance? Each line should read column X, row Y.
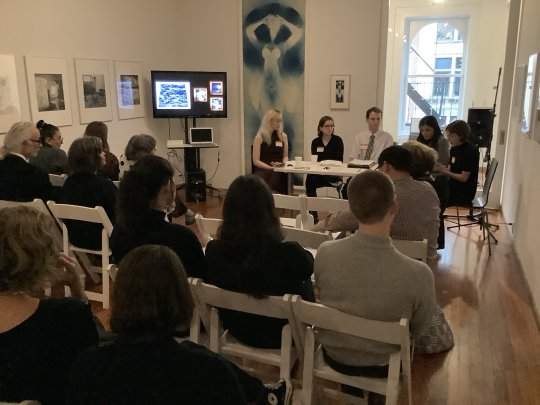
column 437, row 338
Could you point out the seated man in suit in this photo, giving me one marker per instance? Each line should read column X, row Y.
column 418, row 215
column 365, row 275
column 19, row 180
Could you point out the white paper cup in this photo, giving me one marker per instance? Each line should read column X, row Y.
column 314, row 158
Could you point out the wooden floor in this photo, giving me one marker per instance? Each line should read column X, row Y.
column 496, row 359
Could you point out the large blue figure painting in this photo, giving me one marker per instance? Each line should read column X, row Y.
column 273, row 43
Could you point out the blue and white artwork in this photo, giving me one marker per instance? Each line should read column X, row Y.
column 273, row 49
column 173, row 95
column 216, row 88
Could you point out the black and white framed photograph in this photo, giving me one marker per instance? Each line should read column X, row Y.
column 339, row 92
column 200, row 94
column 130, row 89
column 10, row 108
column 48, row 89
column 93, row 85
column 216, row 103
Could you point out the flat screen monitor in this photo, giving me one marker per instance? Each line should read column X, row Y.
column 189, row 94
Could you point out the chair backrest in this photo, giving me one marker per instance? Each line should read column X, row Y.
column 96, row 215
column 57, row 180
column 208, row 227
column 307, row 239
column 273, row 307
column 290, row 202
column 490, row 175
column 323, row 317
column 36, row 203
column 415, row 249
column 116, row 183
column 327, row 204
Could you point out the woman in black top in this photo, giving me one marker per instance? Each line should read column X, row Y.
column 250, row 256
column 463, row 168
column 111, row 167
column 39, row 338
column 84, row 187
column 146, row 194
column 271, row 149
column 145, row 364
column 50, row 158
column 327, row 146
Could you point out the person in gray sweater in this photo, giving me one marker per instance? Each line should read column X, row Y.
column 365, row 275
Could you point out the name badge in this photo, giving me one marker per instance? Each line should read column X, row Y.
column 453, row 159
column 279, row 144
column 320, row 149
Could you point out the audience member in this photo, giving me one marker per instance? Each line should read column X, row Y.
column 369, row 144
column 365, row 275
column 463, row 168
column 250, row 256
column 84, row 187
column 271, row 149
column 19, row 180
column 146, row 194
column 145, row 364
column 50, row 158
column 111, row 168
column 327, row 146
column 418, row 214
column 39, row 338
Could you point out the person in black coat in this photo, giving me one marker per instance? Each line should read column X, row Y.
column 250, row 256
column 85, row 187
column 50, row 158
column 146, row 195
column 19, row 180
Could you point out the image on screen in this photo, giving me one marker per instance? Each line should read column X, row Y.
column 173, row 95
column 200, row 95
column 216, row 88
column 216, row 103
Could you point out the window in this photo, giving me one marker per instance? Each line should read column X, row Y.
column 443, row 63
column 447, row 33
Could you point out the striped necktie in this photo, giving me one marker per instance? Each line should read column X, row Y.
column 369, row 149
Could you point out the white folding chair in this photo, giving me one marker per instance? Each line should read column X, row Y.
column 57, row 180
column 212, row 298
column 96, row 215
column 307, row 239
column 36, row 203
column 208, row 227
column 309, row 316
column 303, row 220
column 415, row 249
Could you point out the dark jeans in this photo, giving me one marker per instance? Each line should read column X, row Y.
column 365, row 371
column 315, row 181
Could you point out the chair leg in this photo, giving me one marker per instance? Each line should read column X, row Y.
column 106, row 280
column 392, row 388
column 309, row 362
column 286, row 353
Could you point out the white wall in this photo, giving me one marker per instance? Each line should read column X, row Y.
column 484, row 53
column 521, row 187
column 342, row 37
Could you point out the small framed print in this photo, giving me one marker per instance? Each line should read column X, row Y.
column 130, row 90
column 339, row 92
column 93, row 86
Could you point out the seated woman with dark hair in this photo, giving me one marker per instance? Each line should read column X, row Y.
column 85, row 187
column 146, row 365
column 147, row 192
column 50, row 158
column 111, row 167
column 250, row 256
column 39, row 338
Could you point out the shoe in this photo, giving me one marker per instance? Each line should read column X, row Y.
column 279, row 393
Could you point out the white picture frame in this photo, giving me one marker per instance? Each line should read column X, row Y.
column 535, row 115
column 340, row 92
column 48, row 88
column 10, row 106
column 130, row 92
column 94, row 90
column 529, row 96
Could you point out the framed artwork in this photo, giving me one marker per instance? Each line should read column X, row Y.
column 339, row 92
column 129, row 89
column 10, row 108
column 93, row 88
column 48, row 89
column 529, row 96
column 536, row 108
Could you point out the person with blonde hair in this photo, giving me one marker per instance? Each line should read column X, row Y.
column 39, row 338
column 19, row 180
column 271, row 149
column 423, row 160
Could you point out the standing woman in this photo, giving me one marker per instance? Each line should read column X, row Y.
column 50, row 158
column 432, row 136
column 111, row 168
column 271, row 149
column 327, row 146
